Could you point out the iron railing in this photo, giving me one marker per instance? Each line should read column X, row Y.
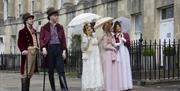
column 150, row 60
column 155, row 60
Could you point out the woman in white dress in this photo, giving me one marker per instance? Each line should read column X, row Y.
column 123, row 42
column 92, row 75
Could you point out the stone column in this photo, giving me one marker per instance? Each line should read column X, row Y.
column 148, row 15
column 51, row 3
column 1, row 10
column 25, row 6
column 57, row 4
column 176, row 19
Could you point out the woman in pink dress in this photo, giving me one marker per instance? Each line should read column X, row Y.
column 109, row 61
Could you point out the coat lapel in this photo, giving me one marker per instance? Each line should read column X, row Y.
column 47, row 27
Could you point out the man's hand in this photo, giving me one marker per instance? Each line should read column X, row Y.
column 64, row 54
column 25, row 52
column 44, row 51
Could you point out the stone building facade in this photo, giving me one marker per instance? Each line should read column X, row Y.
column 155, row 19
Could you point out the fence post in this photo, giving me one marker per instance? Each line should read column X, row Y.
column 139, row 57
column 1, row 64
column 80, row 62
column 178, row 54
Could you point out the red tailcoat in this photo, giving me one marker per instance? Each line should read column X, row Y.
column 45, row 36
column 24, row 41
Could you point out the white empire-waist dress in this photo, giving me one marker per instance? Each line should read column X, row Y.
column 123, row 57
column 92, row 75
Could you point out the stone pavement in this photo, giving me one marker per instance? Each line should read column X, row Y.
column 11, row 82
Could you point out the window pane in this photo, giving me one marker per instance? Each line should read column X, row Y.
column 46, row 4
column 138, row 23
column 170, row 12
column 1, row 40
column 167, row 13
column 20, row 9
column 33, row 5
column 163, row 14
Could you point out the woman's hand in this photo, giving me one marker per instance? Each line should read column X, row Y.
column 117, row 44
column 123, row 39
column 114, row 49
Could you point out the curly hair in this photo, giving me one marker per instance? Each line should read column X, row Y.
column 85, row 28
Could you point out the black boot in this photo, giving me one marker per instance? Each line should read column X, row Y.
column 63, row 83
column 27, row 84
column 52, row 82
column 23, row 84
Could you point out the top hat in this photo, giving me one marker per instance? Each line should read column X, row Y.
column 51, row 11
column 26, row 16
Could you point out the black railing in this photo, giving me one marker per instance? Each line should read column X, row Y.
column 155, row 60
column 11, row 62
column 74, row 62
column 150, row 60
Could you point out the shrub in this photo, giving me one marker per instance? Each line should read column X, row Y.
column 148, row 52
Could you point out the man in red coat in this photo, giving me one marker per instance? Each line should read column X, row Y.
column 28, row 45
column 53, row 45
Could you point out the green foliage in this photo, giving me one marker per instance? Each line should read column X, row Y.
column 148, row 52
column 169, row 51
column 76, row 41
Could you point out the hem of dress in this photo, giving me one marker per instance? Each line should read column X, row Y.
column 93, row 89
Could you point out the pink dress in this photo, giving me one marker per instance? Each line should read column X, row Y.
column 110, row 64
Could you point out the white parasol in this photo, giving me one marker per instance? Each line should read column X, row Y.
column 125, row 23
column 82, row 18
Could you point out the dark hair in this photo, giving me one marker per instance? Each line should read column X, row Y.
column 92, row 25
column 24, row 22
column 48, row 17
column 115, row 25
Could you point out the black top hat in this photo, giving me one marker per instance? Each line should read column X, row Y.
column 51, row 11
